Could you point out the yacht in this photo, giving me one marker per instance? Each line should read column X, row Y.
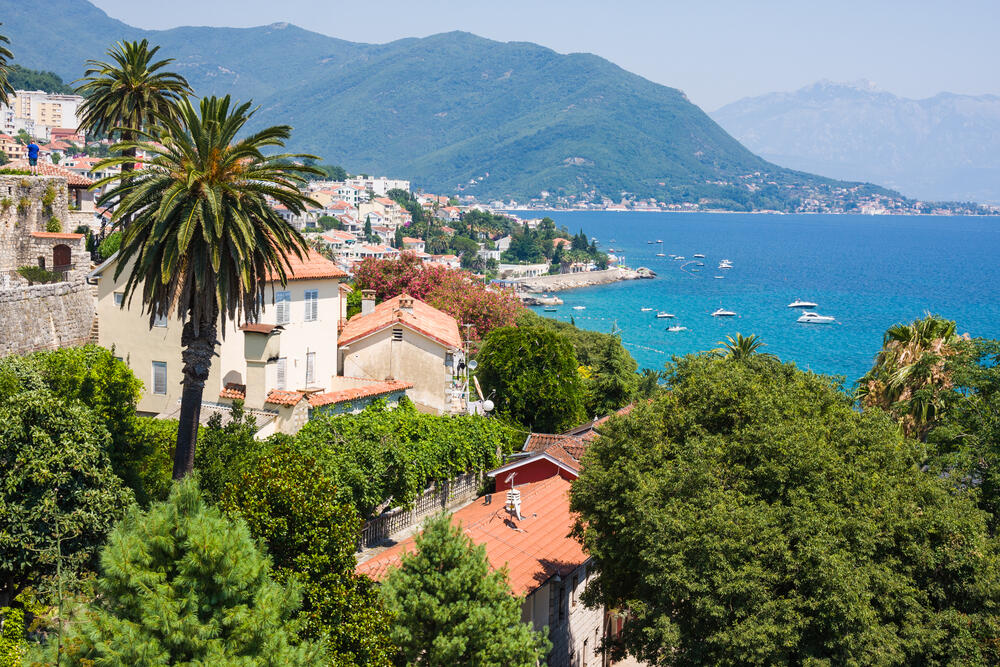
column 699, row 255
column 660, row 254
column 645, row 309
column 722, row 312
column 663, row 315
column 719, row 277
column 650, row 242
column 799, row 303
column 579, row 307
column 676, row 328
column 550, row 309
column 809, row 317
column 679, row 257
column 659, row 240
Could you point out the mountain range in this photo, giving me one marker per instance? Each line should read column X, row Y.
column 945, row 147
column 450, row 112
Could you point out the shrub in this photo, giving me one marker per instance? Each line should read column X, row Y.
column 23, row 204
column 10, row 171
column 49, row 197
column 110, row 245
column 36, row 274
column 5, row 204
column 25, row 182
column 53, row 225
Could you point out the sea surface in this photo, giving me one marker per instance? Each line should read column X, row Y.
column 869, row 272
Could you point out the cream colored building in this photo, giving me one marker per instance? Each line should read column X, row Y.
column 405, row 339
column 292, row 349
column 37, row 112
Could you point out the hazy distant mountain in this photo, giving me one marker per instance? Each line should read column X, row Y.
column 448, row 110
column 946, row 147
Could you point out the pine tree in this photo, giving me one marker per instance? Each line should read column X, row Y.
column 451, row 609
column 182, row 585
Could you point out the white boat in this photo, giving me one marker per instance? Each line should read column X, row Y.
column 659, row 241
column 649, row 242
column 662, row 315
column 699, row 255
column 677, row 328
column 799, row 303
column 550, row 309
column 679, row 257
column 719, row 277
column 809, row 317
column 579, row 307
column 645, row 309
column 722, row 312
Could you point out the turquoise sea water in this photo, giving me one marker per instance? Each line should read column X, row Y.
column 870, row 272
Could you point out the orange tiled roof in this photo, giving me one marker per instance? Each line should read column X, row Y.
column 343, row 395
column 311, row 265
column 57, row 235
column 540, row 442
column 282, row 397
column 533, row 549
column 234, row 390
column 46, row 169
column 254, row 327
column 425, row 319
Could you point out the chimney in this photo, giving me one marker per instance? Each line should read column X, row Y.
column 406, row 304
column 256, row 384
column 367, row 301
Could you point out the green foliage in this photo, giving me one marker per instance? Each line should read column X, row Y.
column 181, row 584
column 53, row 225
column 533, row 372
column 23, row 204
column 328, row 222
column 49, row 197
column 382, row 454
column 110, row 245
column 13, row 645
column 291, row 506
column 22, row 78
column 157, row 437
column 58, row 482
column 450, row 608
column 5, row 204
column 36, row 275
column 224, row 450
column 752, row 516
column 328, row 172
column 741, row 347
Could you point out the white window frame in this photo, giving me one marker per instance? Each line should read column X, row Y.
column 311, row 300
column 161, row 365
column 119, row 299
column 160, row 321
column 281, row 373
column 310, row 368
column 283, row 307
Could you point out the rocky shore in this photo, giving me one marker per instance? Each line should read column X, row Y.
column 565, row 281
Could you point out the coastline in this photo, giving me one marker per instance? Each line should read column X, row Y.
column 565, row 281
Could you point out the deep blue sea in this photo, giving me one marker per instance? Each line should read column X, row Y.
column 869, row 272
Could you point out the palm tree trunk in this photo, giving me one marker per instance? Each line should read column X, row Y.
column 197, row 353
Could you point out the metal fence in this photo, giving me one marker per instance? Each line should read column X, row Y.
column 435, row 499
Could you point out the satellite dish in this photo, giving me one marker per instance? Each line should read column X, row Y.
column 488, row 405
column 473, row 364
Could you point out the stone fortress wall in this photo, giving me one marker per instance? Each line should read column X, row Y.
column 43, row 316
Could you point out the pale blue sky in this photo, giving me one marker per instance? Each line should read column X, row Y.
column 715, row 51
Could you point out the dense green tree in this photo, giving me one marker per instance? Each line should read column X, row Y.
column 159, row 438
column 328, row 222
column 751, row 516
column 741, row 347
column 613, row 381
column 463, row 245
column 204, row 240
column 129, row 93
column 22, row 78
column 6, row 90
column 450, row 608
column 533, row 372
column 291, row 505
column 225, row 449
column 397, row 240
column 181, row 584
column 58, row 485
column 13, row 645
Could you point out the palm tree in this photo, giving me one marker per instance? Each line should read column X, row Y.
column 741, row 348
column 203, row 240
column 127, row 94
column 911, row 374
column 6, row 90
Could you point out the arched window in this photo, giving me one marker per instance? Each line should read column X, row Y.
column 62, row 257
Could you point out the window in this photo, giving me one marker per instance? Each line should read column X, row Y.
column 119, row 298
column 312, row 305
column 397, row 334
column 310, row 368
column 282, row 368
column 160, row 321
column 160, row 377
column 283, row 300
column 572, row 592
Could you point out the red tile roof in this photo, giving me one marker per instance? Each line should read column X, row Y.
column 575, row 446
column 312, row 265
column 234, row 390
column 57, row 235
column 282, row 397
column 258, row 328
column 353, row 394
column 533, row 549
column 46, row 169
column 424, row 319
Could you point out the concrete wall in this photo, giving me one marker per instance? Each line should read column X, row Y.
column 415, row 359
column 574, row 630
column 45, row 317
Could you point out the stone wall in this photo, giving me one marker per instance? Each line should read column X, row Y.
column 45, row 317
column 23, row 211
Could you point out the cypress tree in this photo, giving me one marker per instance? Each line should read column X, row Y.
column 450, row 608
column 182, row 585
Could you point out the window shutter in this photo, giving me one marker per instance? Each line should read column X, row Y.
column 283, row 302
column 281, row 372
column 159, row 377
column 312, row 305
column 310, row 367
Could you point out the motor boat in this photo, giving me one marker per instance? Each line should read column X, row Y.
column 725, row 265
column 650, row 242
column 699, row 263
column 719, row 277
column 660, row 254
column 659, row 240
column 660, row 315
column 699, row 255
column 550, row 309
column 799, row 303
column 579, row 307
column 809, row 317
column 676, row 328
column 679, row 257
column 722, row 312
column 645, row 309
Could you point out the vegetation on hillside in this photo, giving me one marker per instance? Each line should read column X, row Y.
column 22, row 78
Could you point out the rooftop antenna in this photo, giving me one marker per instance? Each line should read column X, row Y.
column 513, row 505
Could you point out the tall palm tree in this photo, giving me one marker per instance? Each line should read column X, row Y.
column 203, row 240
column 741, row 348
column 126, row 94
column 911, row 374
column 6, row 90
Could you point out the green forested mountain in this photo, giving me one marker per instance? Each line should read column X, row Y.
column 22, row 78
column 451, row 111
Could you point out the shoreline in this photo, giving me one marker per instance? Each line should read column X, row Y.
column 565, row 281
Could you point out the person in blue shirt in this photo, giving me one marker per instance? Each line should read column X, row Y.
column 33, row 157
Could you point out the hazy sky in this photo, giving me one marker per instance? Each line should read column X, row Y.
column 715, row 51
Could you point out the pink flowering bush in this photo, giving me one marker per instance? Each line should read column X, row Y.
column 457, row 293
